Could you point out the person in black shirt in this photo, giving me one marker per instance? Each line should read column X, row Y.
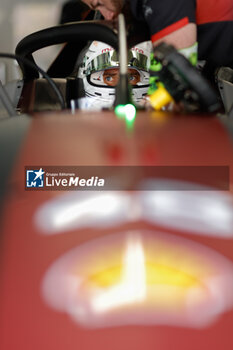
column 201, row 26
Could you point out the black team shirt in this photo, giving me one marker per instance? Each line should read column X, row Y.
column 214, row 20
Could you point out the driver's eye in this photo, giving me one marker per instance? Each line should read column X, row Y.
column 132, row 77
column 109, row 78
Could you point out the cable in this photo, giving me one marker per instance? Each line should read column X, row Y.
column 32, row 65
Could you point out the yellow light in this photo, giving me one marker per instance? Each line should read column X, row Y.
column 135, row 279
column 140, row 279
column 132, row 286
column 156, row 274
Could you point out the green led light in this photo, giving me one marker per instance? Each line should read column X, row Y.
column 126, row 111
column 130, row 112
column 120, row 111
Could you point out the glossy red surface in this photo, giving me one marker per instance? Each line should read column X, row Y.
column 90, row 139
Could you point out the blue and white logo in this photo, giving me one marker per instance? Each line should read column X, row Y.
column 35, row 178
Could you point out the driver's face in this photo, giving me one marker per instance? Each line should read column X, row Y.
column 111, row 76
column 108, row 8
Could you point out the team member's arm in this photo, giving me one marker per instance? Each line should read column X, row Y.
column 170, row 21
